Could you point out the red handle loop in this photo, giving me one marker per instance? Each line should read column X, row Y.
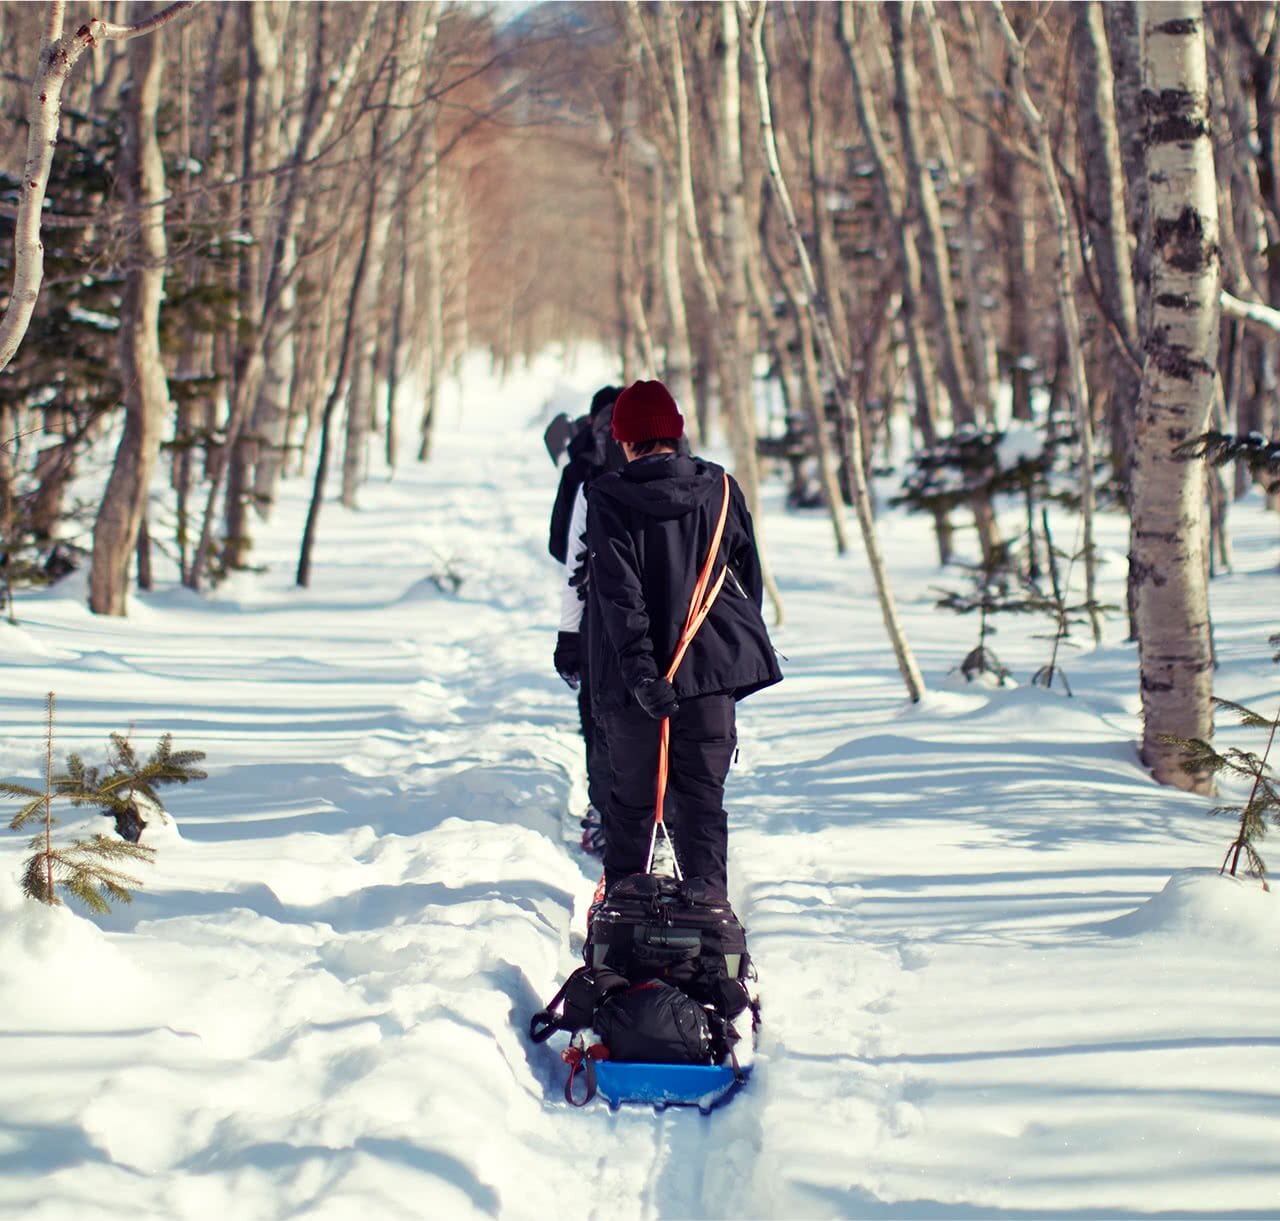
column 585, row 1058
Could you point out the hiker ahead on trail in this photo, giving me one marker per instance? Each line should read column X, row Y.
column 592, row 451
column 649, row 528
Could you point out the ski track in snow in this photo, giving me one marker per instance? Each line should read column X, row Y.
column 984, row 993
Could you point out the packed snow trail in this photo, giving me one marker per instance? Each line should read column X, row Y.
column 999, row 975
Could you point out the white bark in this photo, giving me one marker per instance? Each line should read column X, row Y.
column 1167, row 538
column 678, row 361
column 58, row 56
column 1263, row 318
column 271, row 411
column 322, row 112
column 146, row 395
column 1107, row 226
column 907, row 665
column 1066, row 276
column 926, row 217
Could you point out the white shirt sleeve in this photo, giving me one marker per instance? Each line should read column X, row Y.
column 572, row 605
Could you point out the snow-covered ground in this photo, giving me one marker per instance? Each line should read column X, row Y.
column 1000, row 974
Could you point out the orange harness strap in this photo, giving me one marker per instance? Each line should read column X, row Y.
column 705, row 592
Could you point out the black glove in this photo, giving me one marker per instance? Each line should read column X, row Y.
column 566, row 659
column 657, row 697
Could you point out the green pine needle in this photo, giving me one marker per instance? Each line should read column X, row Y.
column 88, row 869
column 35, row 880
column 19, row 790
column 1247, row 717
column 31, row 810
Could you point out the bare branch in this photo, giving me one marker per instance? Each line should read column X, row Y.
column 1261, row 318
column 99, row 29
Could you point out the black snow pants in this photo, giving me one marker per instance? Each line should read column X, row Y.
column 703, row 739
column 594, row 737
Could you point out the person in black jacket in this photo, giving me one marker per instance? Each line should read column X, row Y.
column 592, row 451
column 649, row 530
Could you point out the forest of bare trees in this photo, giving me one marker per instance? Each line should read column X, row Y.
column 250, row 242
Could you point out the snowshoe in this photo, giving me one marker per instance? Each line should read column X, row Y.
column 592, row 841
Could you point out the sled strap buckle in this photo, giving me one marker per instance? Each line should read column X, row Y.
column 583, row 1058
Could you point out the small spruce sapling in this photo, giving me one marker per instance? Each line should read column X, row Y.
column 126, row 788
column 1200, row 758
column 446, row 576
column 87, row 869
column 1064, row 613
column 992, row 595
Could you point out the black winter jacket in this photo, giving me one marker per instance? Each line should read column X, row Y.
column 592, row 450
column 649, row 526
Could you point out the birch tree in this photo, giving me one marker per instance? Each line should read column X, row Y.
column 926, row 218
column 1167, row 536
column 59, row 54
column 325, row 96
column 907, row 665
column 1105, row 221
column 122, row 510
column 891, row 195
column 1065, row 279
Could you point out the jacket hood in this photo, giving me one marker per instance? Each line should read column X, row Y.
column 664, row 486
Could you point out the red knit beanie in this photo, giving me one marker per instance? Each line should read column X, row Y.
column 645, row 411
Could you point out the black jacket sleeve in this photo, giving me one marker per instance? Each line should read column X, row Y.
column 744, row 558
column 615, row 577
column 562, row 511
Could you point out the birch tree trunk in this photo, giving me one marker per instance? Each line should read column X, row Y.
column 433, row 311
column 1065, row 279
column 677, row 368
column 400, row 306
column 903, row 653
column 737, row 347
column 1018, row 201
column 706, row 280
column 809, row 376
column 257, row 44
column 346, row 344
column 325, row 97
column 958, row 160
column 891, row 198
column 1167, row 536
column 58, row 56
column 1124, row 42
column 678, row 365
column 1107, row 225
column 270, row 418
column 922, row 202
column 146, row 396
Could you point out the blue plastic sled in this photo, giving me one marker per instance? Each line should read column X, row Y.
column 667, row 1085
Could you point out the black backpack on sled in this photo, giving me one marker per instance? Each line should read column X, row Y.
column 683, row 933
column 666, row 971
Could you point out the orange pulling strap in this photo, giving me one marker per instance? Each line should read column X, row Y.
column 705, row 592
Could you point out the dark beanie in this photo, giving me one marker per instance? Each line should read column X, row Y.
column 603, row 398
column 645, row 411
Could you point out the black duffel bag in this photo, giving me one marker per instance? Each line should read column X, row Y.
column 648, row 924
column 654, row 1023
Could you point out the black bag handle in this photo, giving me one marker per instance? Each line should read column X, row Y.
column 547, row 1021
column 601, row 983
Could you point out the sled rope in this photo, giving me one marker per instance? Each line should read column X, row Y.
column 705, row 592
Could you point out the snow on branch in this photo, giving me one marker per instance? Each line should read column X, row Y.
column 1255, row 313
column 58, row 56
